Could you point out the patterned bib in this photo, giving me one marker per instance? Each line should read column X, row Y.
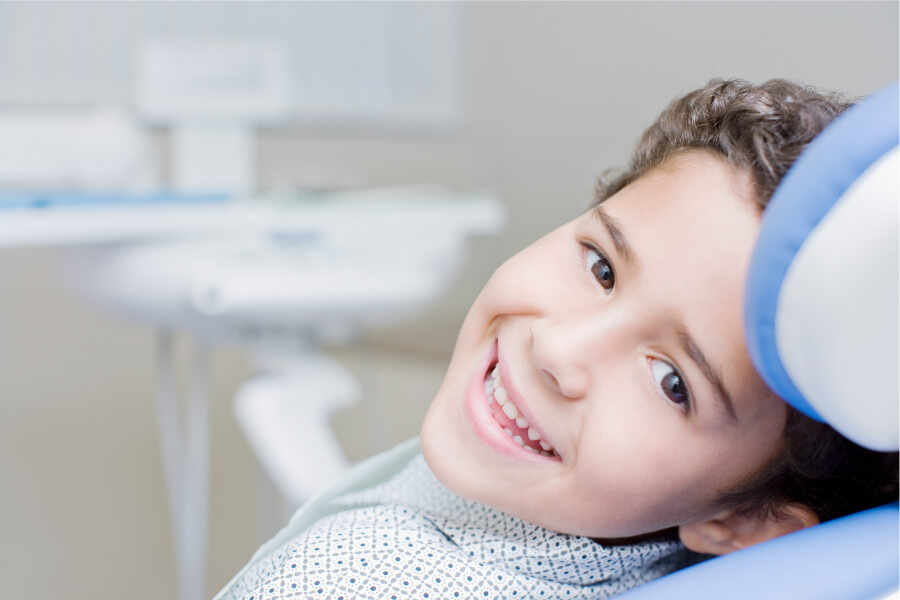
column 413, row 538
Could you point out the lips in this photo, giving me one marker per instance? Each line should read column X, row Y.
column 500, row 415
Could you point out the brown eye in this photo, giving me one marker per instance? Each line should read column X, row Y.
column 673, row 387
column 601, row 268
column 670, row 382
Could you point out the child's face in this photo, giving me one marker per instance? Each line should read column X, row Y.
column 616, row 363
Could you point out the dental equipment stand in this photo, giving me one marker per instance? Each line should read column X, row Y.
column 284, row 411
column 275, row 278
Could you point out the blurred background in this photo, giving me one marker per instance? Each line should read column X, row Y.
column 524, row 102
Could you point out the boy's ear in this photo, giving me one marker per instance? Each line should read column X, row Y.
column 730, row 530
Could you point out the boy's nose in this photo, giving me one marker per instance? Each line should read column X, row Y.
column 566, row 352
column 577, row 351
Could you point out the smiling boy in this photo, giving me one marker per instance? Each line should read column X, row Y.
column 600, row 412
column 618, row 339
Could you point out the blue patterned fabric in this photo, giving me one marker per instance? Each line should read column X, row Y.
column 412, row 538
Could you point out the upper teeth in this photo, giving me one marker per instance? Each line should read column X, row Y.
column 493, row 389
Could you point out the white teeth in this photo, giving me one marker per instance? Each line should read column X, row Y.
column 510, row 409
column 500, row 397
column 493, row 390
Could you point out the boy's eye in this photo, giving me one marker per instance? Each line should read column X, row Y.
column 600, row 267
column 670, row 382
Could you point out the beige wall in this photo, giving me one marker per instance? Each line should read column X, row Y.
column 554, row 94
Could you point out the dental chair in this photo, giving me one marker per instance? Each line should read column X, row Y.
column 821, row 321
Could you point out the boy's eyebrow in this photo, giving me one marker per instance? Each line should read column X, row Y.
column 615, row 232
column 694, row 352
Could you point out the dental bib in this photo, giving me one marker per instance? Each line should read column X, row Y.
column 410, row 537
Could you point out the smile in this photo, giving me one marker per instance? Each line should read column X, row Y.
column 509, row 417
column 500, row 417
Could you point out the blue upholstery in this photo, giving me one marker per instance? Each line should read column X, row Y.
column 848, row 558
column 812, row 187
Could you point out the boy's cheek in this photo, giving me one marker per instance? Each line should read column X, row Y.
column 502, row 295
column 526, row 284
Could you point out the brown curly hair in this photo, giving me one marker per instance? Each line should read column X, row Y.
column 762, row 130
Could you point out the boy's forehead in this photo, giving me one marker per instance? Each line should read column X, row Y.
column 696, row 205
column 702, row 183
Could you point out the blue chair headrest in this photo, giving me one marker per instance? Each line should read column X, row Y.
column 821, row 302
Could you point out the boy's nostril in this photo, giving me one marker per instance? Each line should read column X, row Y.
column 571, row 384
column 550, row 376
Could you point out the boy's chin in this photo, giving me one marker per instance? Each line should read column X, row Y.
column 439, row 463
column 445, row 458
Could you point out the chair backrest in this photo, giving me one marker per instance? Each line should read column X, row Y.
column 820, row 311
column 821, row 321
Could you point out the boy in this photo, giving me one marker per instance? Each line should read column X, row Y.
column 600, row 417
